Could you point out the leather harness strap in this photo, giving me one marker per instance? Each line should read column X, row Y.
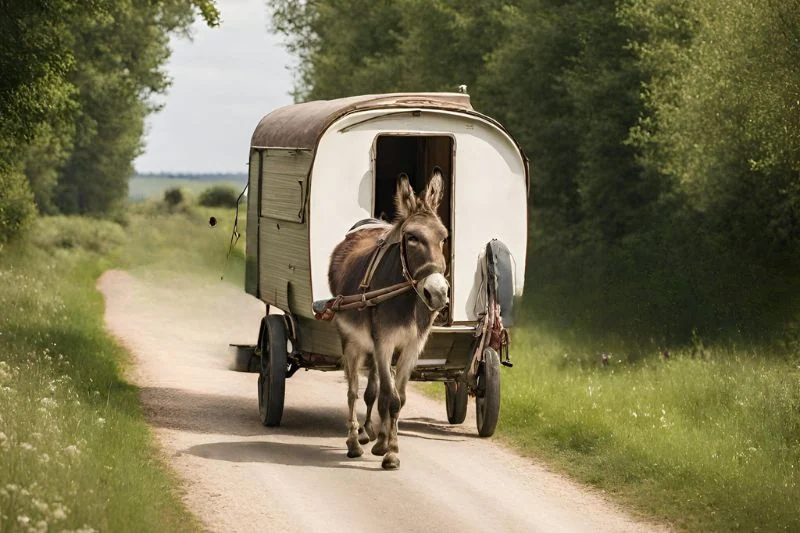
column 372, row 298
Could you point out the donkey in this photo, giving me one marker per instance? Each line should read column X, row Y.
column 395, row 330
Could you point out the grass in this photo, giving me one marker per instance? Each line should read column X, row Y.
column 163, row 242
column 75, row 452
column 706, row 439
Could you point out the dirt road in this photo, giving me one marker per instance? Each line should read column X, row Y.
column 241, row 476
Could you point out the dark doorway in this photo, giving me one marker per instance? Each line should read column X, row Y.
column 417, row 156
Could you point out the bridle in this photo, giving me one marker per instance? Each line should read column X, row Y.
column 367, row 298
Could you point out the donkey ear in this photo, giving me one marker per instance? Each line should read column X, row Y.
column 405, row 201
column 434, row 191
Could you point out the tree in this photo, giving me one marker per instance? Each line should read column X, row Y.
column 75, row 88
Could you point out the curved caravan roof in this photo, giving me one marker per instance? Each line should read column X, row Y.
column 302, row 125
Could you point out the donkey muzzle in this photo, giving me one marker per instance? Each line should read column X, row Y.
column 435, row 291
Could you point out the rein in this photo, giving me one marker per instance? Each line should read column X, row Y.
column 374, row 297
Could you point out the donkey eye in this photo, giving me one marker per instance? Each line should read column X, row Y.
column 412, row 238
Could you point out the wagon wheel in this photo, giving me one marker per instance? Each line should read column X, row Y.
column 456, row 400
column 272, row 375
column 487, row 393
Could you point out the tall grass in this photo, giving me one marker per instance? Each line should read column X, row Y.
column 163, row 243
column 75, row 453
column 706, row 438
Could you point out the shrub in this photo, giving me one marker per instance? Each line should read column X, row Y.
column 173, row 196
column 17, row 207
column 85, row 233
column 219, row 196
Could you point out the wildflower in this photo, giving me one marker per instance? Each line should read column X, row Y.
column 23, row 520
column 39, row 504
column 11, row 487
column 634, row 414
column 101, row 421
column 72, row 450
column 48, row 402
column 59, row 512
column 26, row 446
column 41, row 526
column 44, row 458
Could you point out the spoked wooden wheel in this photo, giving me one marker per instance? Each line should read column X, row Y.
column 272, row 374
column 456, row 400
column 487, row 393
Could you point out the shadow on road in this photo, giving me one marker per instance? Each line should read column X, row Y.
column 282, row 453
column 184, row 410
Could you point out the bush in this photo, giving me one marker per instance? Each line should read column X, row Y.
column 173, row 196
column 219, row 196
column 89, row 234
column 17, row 207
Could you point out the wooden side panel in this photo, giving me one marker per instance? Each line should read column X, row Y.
column 284, row 276
column 283, row 183
column 251, row 241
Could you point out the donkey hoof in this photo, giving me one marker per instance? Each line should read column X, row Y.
column 380, row 448
column 353, row 449
column 355, row 452
column 391, row 461
column 363, row 437
column 370, row 432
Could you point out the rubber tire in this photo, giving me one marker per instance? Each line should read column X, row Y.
column 487, row 395
column 272, row 375
column 456, row 399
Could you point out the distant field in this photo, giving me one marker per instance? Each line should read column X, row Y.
column 144, row 187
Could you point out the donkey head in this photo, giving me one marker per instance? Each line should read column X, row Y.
column 423, row 236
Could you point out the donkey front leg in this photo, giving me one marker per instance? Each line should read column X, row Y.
column 352, row 359
column 366, row 433
column 405, row 364
column 388, row 406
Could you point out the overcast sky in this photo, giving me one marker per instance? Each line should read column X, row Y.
column 223, row 82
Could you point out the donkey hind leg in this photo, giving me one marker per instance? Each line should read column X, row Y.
column 366, row 433
column 352, row 362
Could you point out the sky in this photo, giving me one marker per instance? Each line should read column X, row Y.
column 223, row 81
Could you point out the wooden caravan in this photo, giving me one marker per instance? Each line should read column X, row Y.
column 319, row 167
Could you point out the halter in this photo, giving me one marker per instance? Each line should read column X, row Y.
column 372, row 298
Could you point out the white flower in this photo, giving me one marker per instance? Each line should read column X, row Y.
column 634, row 414
column 23, row 520
column 41, row 526
column 72, row 450
column 48, row 402
column 59, row 513
column 101, row 421
column 44, row 458
column 39, row 504
column 3, row 437
column 26, row 446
